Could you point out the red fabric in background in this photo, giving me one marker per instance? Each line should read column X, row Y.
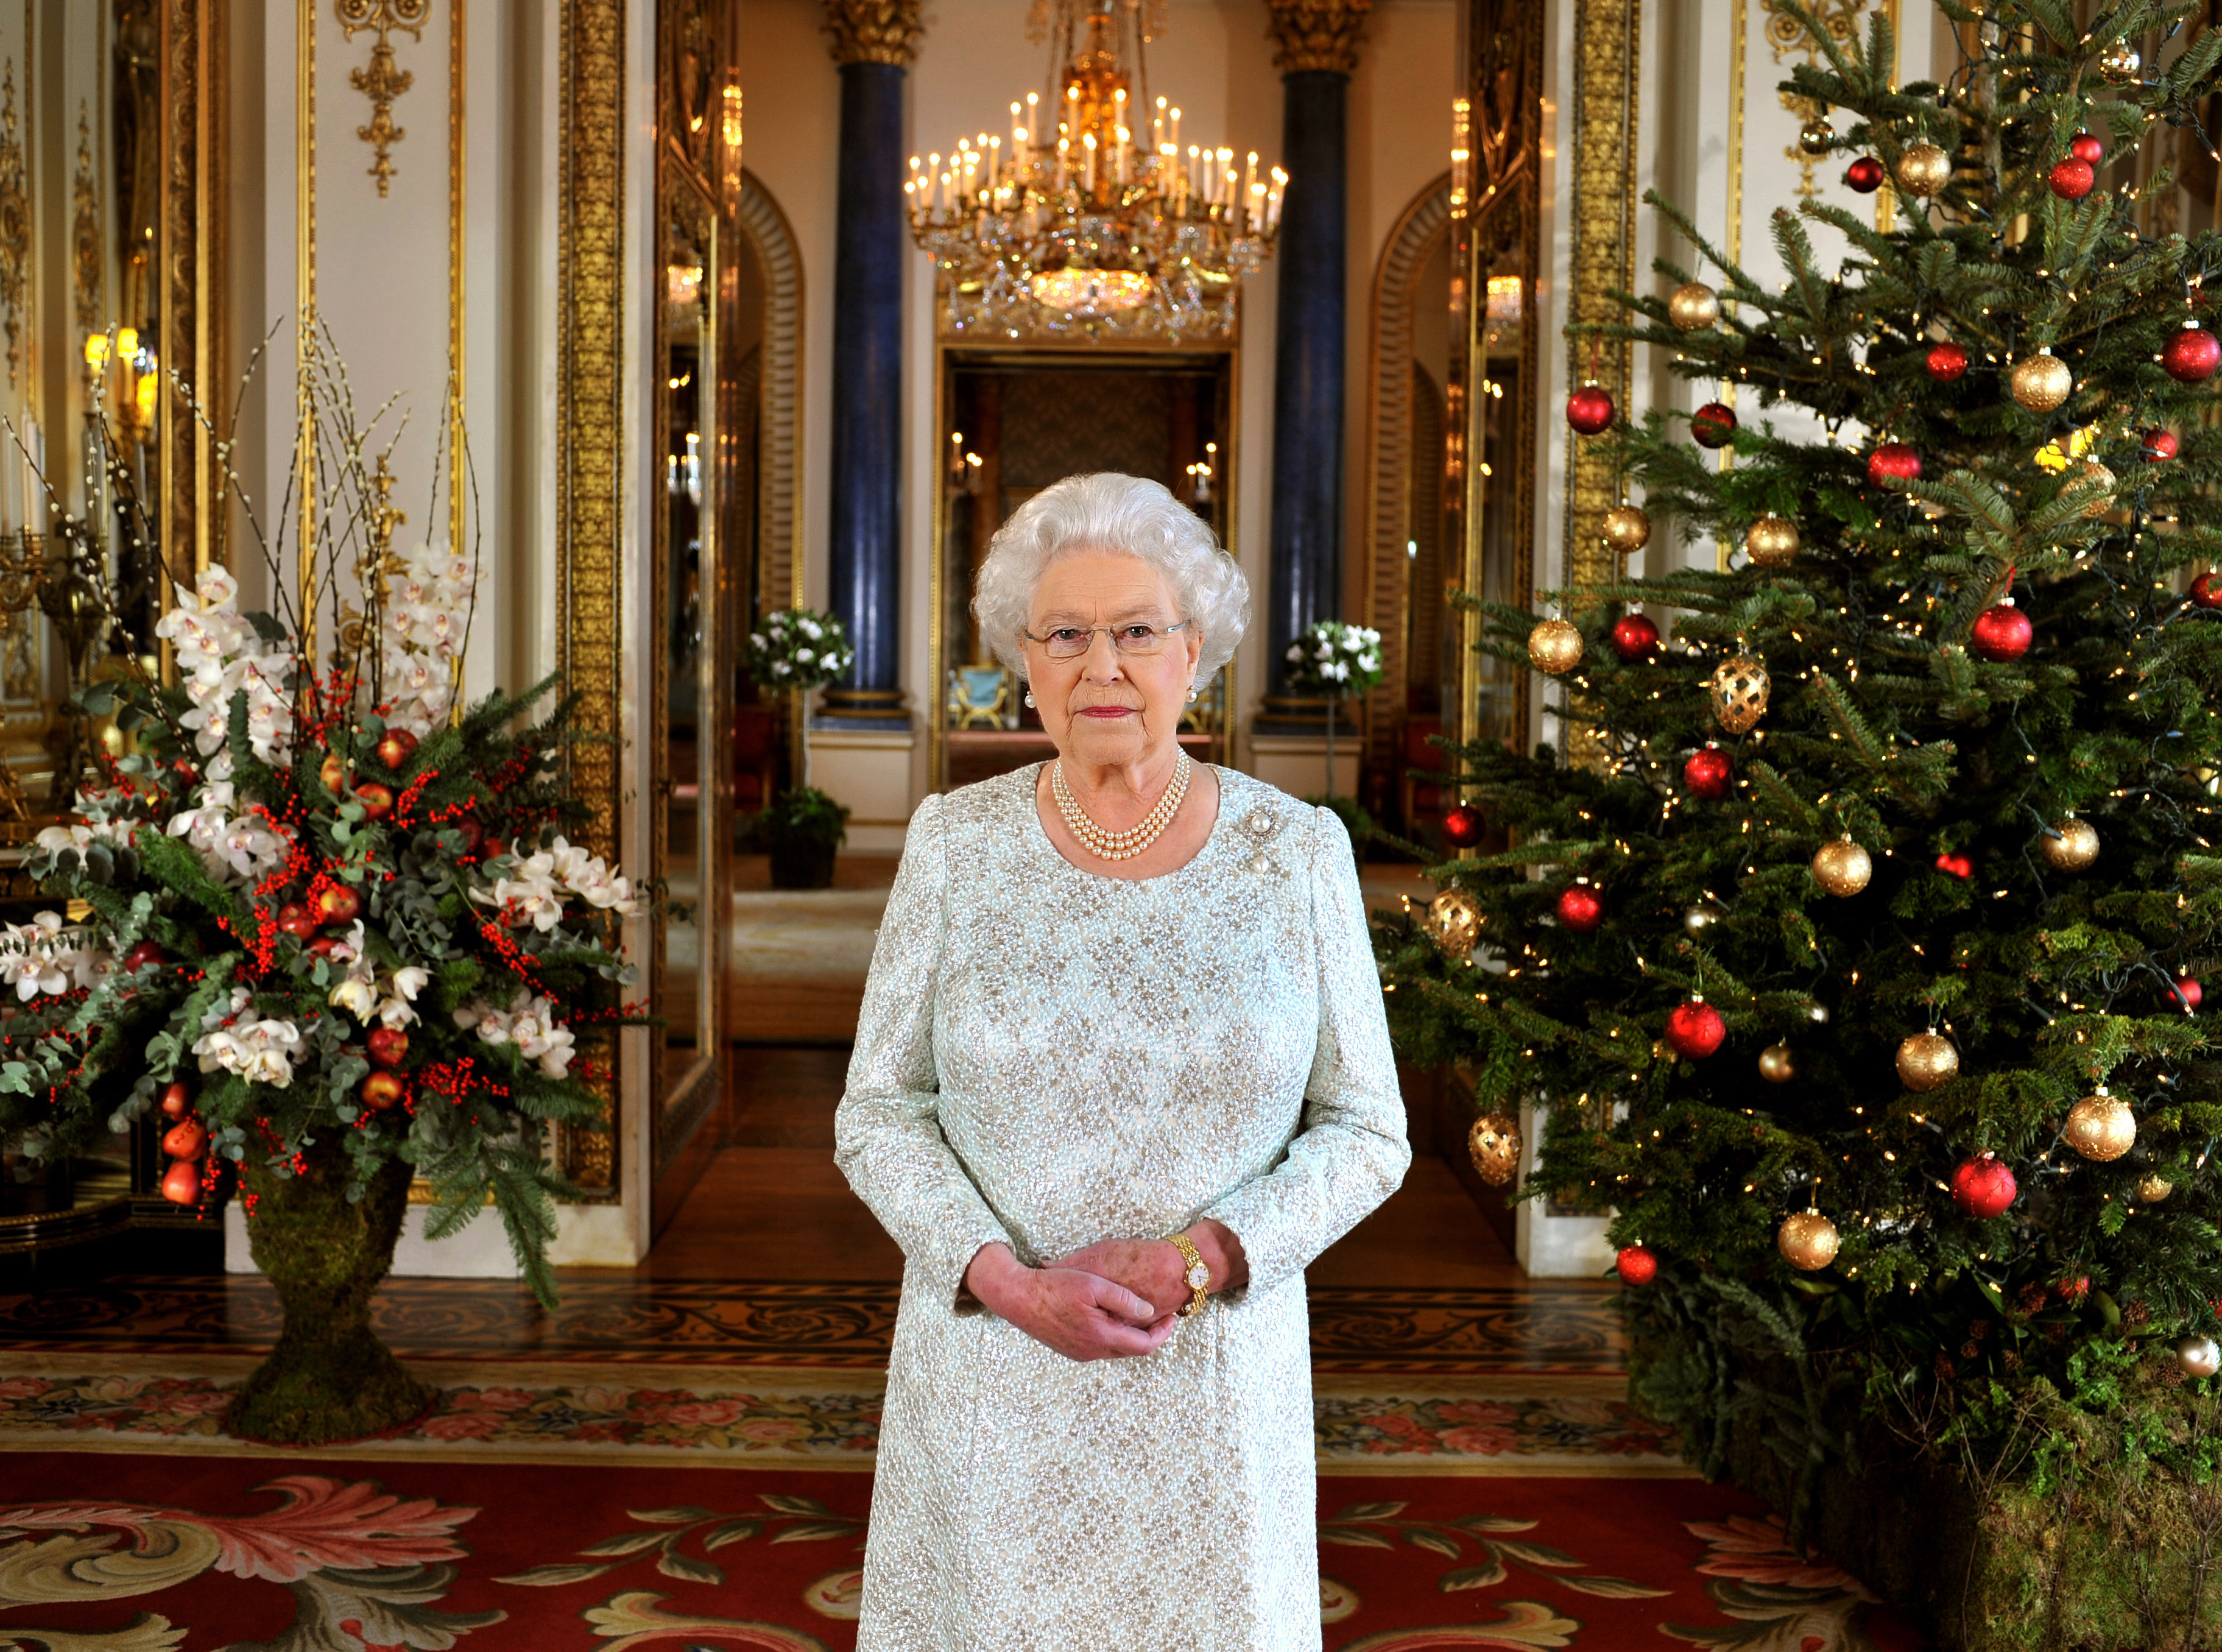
column 1558, row 1544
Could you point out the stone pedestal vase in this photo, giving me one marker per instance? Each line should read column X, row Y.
column 329, row 1378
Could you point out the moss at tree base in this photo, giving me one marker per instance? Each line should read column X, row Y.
column 329, row 1378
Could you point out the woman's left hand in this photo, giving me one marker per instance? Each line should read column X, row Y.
column 1155, row 1270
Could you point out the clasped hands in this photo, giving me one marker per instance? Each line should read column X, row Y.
column 1118, row 1299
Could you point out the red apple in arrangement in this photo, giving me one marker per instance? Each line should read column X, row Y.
column 333, row 772
column 182, row 1185
column 184, row 1141
column 297, row 920
column 473, row 834
column 389, row 1046
column 144, row 953
column 377, row 800
column 395, row 747
column 382, row 1091
column 324, row 945
column 338, row 904
column 177, row 1100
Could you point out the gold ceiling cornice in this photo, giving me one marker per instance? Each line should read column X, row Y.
column 873, row 31
column 1317, row 34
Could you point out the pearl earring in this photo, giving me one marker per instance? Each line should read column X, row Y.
column 1030, row 696
column 1191, row 696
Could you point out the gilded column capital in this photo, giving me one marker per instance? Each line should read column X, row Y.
column 1317, row 34
column 873, row 31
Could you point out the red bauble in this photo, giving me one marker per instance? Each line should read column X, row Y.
column 2072, row 178
column 1713, row 425
column 177, row 1100
column 395, row 747
column 1635, row 637
column 377, row 800
column 1696, row 1029
column 2002, row 632
column 1463, row 826
column 143, row 954
column 1579, row 909
column 1983, row 1187
column 338, row 904
column 2203, row 593
column 1958, row 866
column 2160, row 444
column 388, row 1047
column 1636, row 1264
column 1590, row 410
column 1893, row 462
column 381, row 1090
column 1865, row 175
column 2192, row 355
column 1710, row 773
column 297, row 920
column 184, row 1141
column 182, row 1185
column 2187, row 992
column 2087, row 149
column 1947, row 361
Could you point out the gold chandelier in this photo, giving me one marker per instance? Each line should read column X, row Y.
column 1085, row 225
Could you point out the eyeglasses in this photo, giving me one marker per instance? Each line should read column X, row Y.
column 1070, row 641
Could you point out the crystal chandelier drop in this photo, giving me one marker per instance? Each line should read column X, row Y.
column 1086, row 226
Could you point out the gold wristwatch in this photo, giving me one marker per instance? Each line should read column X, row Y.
column 1197, row 1278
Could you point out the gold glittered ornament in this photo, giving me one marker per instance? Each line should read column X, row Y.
column 2153, row 1187
column 2089, row 472
column 1738, row 688
column 1693, row 305
column 1924, row 169
column 2040, row 382
column 1494, row 1145
column 2071, row 845
column 1817, row 137
column 1453, row 923
column 1554, row 647
column 2100, row 1127
column 1772, row 542
column 1627, row 529
column 1842, row 867
column 2119, row 63
column 2198, row 1356
column 1926, row 1060
column 1807, row 1240
column 1775, row 1065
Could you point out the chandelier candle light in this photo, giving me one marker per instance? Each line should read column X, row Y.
column 1084, row 223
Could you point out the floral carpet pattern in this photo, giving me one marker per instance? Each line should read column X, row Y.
column 224, row 1555
column 1527, row 1427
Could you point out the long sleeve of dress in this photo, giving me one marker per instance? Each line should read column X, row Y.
column 887, row 1138
column 1349, row 1152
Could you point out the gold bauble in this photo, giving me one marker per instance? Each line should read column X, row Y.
column 1693, row 305
column 1842, row 867
column 1494, row 1143
column 1926, row 1060
column 1626, row 529
column 1807, row 1240
column 1554, row 647
column 1924, row 169
column 2198, row 1356
column 2119, row 63
column 2040, row 382
column 1453, row 923
column 2153, row 1187
column 2100, row 1127
column 2074, row 848
column 1775, row 1065
column 1739, row 689
column 1817, row 137
column 1772, row 542
column 2092, row 471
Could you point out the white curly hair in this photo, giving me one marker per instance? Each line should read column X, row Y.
column 1110, row 512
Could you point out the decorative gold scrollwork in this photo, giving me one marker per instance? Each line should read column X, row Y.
column 1316, row 33
column 15, row 222
column 84, row 230
column 383, row 81
column 1785, row 33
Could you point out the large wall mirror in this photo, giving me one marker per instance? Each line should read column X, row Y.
column 110, row 264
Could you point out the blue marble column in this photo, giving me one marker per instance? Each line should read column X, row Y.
column 872, row 44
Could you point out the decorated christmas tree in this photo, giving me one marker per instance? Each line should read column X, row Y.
column 1850, row 940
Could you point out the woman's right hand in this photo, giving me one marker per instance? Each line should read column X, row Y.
column 1083, row 1316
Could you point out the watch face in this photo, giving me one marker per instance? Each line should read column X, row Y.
column 1198, row 1276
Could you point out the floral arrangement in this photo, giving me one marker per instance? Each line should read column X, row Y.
column 1335, row 658
column 330, row 918
column 799, row 647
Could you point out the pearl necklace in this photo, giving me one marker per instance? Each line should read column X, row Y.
column 1121, row 846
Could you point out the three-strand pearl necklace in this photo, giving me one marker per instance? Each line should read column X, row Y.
column 1121, row 846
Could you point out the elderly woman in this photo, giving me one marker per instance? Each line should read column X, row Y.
column 1123, row 1072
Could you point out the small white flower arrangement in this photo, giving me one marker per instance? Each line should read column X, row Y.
column 799, row 647
column 1336, row 659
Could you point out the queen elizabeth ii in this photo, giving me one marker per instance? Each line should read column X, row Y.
column 1123, row 1071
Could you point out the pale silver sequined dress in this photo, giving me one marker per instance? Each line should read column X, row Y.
column 1051, row 1058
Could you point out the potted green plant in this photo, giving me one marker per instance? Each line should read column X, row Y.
column 797, row 649
column 1334, row 660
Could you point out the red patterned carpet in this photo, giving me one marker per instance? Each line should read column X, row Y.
column 149, row 1554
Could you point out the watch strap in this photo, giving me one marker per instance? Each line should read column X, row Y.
column 1198, row 1270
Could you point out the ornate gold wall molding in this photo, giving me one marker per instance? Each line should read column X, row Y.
column 190, row 270
column 1602, row 205
column 589, row 468
column 382, row 80
column 1317, row 34
column 778, row 514
column 88, row 245
column 873, row 31
column 15, row 223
